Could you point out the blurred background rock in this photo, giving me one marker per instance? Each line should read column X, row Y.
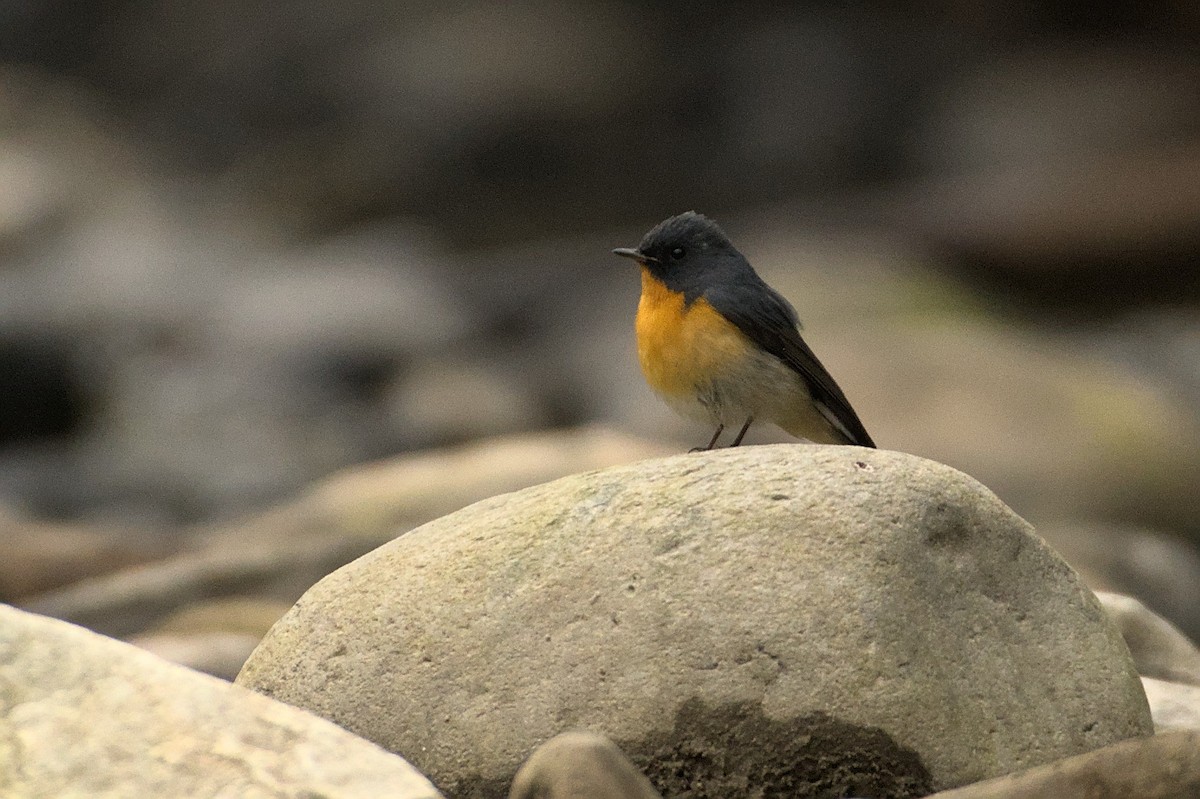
column 245, row 245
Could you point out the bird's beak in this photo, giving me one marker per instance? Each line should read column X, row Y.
column 629, row 252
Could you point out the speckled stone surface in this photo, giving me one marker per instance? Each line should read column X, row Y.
column 793, row 613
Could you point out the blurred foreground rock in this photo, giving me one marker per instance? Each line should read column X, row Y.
column 1161, row 767
column 580, row 765
column 850, row 620
column 85, row 716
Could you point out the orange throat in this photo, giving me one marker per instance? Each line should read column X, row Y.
column 682, row 348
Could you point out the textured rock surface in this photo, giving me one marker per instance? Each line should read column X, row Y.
column 1161, row 767
column 775, row 616
column 85, row 716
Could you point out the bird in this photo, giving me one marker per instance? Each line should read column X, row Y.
column 721, row 346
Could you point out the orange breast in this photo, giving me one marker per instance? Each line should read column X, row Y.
column 681, row 348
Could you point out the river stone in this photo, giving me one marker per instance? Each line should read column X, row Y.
column 810, row 620
column 1165, row 766
column 580, row 765
column 82, row 715
column 1173, row 705
column 1158, row 648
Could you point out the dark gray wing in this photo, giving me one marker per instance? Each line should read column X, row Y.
column 770, row 322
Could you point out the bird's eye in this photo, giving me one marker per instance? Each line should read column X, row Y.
column 678, row 253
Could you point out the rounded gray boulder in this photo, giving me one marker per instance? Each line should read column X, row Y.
column 806, row 619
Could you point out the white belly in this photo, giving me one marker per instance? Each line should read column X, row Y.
column 762, row 387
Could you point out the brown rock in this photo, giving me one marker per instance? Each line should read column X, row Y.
column 247, row 615
column 38, row 556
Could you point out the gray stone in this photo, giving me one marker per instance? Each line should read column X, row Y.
column 818, row 618
column 86, row 716
column 1159, row 650
column 1160, row 767
column 580, row 765
column 1161, row 569
column 1173, row 705
column 131, row 601
column 221, row 654
column 279, row 554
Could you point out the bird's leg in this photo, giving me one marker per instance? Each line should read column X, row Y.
column 742, row 434
column 711, row 443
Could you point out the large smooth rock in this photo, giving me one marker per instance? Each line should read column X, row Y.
column 82, row 715
column 807, row 619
